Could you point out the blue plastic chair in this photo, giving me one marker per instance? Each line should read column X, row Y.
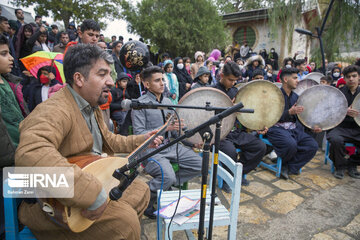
column 11, row 220
column 222, row 216
column 272, row 167
column 327, row 154
column 221, row 181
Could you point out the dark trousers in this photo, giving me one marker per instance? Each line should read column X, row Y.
column 252, row 149
column 295, row 147
column 337, row 137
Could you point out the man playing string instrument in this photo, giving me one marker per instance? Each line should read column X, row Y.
column 70, row 123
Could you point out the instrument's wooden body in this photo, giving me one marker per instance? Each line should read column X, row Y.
column 103, row 169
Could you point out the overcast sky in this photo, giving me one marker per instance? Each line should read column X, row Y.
column 117, row 27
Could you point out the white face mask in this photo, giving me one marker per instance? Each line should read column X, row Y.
column 180, row 66
column 241, row 67
column 288, row 66
column 336, row 74
column 272, row 51
column 269, row 74
column 221, row 65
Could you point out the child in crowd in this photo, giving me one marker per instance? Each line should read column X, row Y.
column 326, row 80
column 39, row 91
column 171, row 81
column 258, row 74
column 11, row 115
column 119, row 93
column 201, row 78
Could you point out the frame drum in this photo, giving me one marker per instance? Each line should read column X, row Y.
column 324, row 107
column 305, row 84
column 194, row 117
column 356, row 106
column 266, row 99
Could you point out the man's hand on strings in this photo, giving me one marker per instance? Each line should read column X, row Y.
column 157, row 141
column 175, row 125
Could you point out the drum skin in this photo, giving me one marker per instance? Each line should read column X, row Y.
column 324, row 107
column 267, row 101
column 194, row 117
column 356, row 106
column 316, row 76
column 305, row 84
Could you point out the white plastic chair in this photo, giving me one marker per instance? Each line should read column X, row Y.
column 222, row 216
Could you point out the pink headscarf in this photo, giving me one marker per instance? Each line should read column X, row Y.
column 215, row 54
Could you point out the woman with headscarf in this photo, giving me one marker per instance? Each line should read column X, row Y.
column 274, row 58
column 183, row 76
column 336, row 74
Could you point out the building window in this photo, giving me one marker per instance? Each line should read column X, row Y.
column 245, row 33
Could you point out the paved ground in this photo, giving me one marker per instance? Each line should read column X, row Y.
column 311, row 206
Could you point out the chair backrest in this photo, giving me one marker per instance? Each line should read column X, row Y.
column 233, row 179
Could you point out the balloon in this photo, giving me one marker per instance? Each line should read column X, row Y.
column 134, row 55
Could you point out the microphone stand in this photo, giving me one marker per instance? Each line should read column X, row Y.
column 206, row 134
column 213, row 186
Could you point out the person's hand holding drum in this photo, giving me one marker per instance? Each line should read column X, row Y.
column 296, row 109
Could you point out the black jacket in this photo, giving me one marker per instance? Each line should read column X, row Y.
column 183, row 78
column 118, row 95
column 35, row 93
column 117, row 64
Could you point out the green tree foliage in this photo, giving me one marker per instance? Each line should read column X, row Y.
column 74, row 10
column 177, row 27
column 230, row 6
column 342, row 27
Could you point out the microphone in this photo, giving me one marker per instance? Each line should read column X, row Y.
column 127, row 104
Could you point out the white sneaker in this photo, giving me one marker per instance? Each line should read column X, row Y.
column 272, row 155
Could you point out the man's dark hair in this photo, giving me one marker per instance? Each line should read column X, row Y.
column 288, row 59
column 80, row 58
column 350, row 69
column 357, row 63
column 327, row 78
column 3, row 19
column 148, row 72
column 231, row 68
column 121, row 38
column 89, row 24
column 165, row 54
column 298, row 62
column 115, row 44
column 63, row 33
column 3, row 40
column 54, row 26
column 18, row 9
column 37, row 17
column 113, row 36
column 287, row 72
column 258, row 72
column 101, row 35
